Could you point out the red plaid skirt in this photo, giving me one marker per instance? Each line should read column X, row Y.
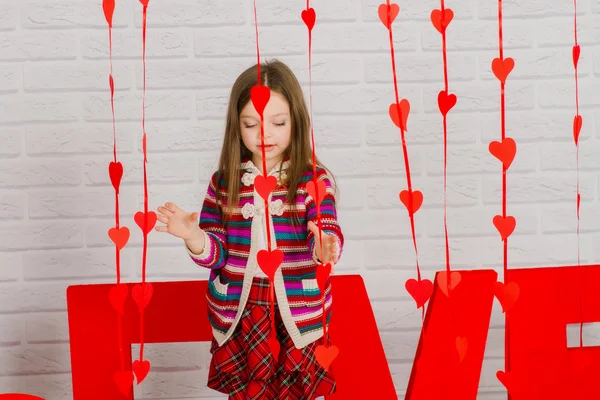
column 244, row 367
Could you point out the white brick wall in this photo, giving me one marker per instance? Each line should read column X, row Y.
column 56, row 200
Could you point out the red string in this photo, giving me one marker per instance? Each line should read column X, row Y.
column 118, row 251
column 445, row 150
column 404, row 148
column 578, row 195
column 503, row 133
column 145, row 245
column 265, row 173
column 314, row 168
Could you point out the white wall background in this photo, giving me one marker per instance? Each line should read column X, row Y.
column 56, row 201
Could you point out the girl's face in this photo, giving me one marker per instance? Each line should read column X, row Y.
column 277, row 130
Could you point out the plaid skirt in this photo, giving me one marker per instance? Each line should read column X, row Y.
column 245, row 369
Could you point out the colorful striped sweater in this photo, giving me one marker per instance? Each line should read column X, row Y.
column 230, row 253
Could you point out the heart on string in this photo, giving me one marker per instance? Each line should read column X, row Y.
column 115, row 171
column 578, row 203
column 461, row 347
column 323, row 272
column 119, row 236
column 260, row 96
column 442, row 280
column 441, row 20
column 144, row 2
column 111, row 83
column 507, row 294
column 124, row 381
column 384, row 10
column 109, row 7
column 446, row 102
column 577, row 123
column 502, row 68
column 322, row 188
column 141, row 369
column 419, row 290
column 576, row 53
column 506, row 379
column 309, row 16
column 417, row 200
column 264, row 186
column 117, row 296
column 505, row 226
column 140, row 220
column 275, row 346
column 326, row 355
column 504, row 151
column 404, row 111
column 269, row 261
column 142, row 293
column 144, row 142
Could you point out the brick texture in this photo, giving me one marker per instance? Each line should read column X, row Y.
column 56, row 200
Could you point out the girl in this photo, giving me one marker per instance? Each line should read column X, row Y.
column 232, row 230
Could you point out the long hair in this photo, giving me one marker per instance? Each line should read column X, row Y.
column 279, row 78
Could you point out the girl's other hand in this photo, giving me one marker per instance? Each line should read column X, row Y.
column 178, row 222
column 329, row 252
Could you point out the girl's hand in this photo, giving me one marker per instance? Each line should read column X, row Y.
column 178, row 222
column 329, row 252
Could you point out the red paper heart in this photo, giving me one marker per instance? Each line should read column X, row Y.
column 141, row 221
column 446, row 101
column 506, row 379
column 275, row 346
column 576, row 53
column 417, row 200
column 461, row 347
column 124, row 380
column 309, row 16
column 119, row 236
column 404, row 110
column 264, row 186
column 260, row 96
column 507, row 294
column 504, row 151
column 144, row 2
column 419, row 290
column 117, row 296
column 111, row 83
column 442, row 280
column 384, row 10
column 577, row 123
column 142, row 293
column 321, row 186
column 115, row 170
column 109, row 7
column 269, row 261
column 326, row 355
column 141, row 369
column 502, row 68
column 323, row 272
column 441, row 21
column 505, row 226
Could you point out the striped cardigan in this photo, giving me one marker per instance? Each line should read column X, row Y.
column 230, row 254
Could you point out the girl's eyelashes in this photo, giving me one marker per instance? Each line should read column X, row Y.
column 252, row 126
